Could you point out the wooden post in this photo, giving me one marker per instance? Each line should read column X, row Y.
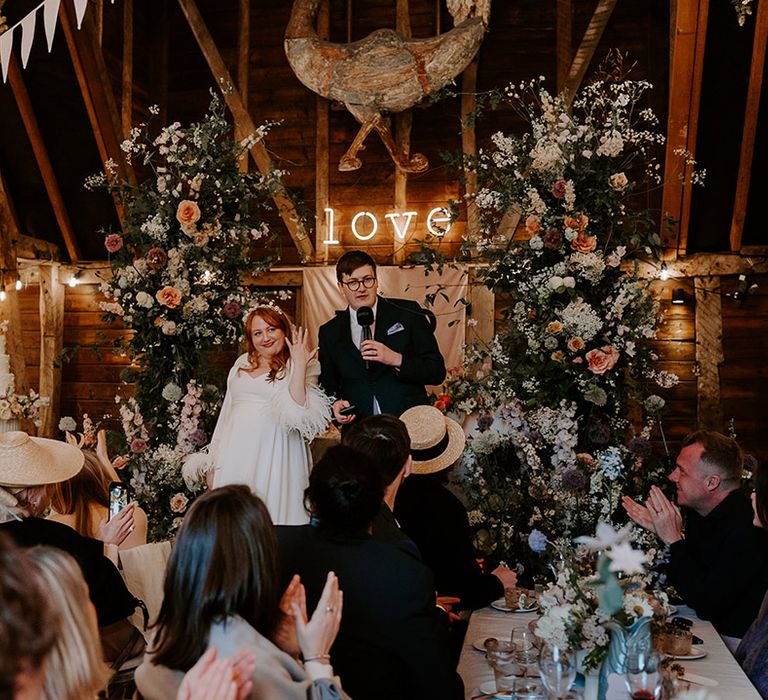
column 403, row 124
column 469, row 144
column 564, row 41
column 9, row 309
column 158, row 75
column 283, row 202
column 709, row 351
column 51, row 345
column 126, row 102
column 322, row 148
column 243, row 51
column 482, row 304
column 750, row 125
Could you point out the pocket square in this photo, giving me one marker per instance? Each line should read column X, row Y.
column 395, row 329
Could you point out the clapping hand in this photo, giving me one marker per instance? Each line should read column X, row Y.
column 219, row 679
column 301, row 353
column 316, row 635
column 667, row 521
column 285, row 635
column 116, row 530
column 638, row 513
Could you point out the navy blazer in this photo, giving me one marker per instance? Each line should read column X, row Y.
column 402, row 326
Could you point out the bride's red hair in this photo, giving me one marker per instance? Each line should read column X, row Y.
column 277, row 319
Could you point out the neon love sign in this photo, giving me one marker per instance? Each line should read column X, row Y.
column 365, row 225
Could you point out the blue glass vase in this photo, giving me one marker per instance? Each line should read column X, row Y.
column 624, row 640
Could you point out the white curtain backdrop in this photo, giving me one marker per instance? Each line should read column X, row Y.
column 322, row 298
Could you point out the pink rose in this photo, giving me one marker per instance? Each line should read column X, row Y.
column 156, row 258
column 231, row 309
column 600, row 361
column 584, row 244
column 138, row 445
column 113, row 242
column 187, row 213
column 169, row 296
column 558, row 189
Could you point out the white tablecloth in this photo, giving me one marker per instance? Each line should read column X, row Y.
column 719, row 664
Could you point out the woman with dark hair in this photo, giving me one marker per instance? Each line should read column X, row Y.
column 392, row 644
column 272, row 409
column 221, row 591
column 752, row 652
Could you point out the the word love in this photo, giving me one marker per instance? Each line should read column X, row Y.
column 365, row 225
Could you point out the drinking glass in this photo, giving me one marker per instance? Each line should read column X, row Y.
column 557, row 668
column 525, row 649
column 644, row 678
column 501, row 657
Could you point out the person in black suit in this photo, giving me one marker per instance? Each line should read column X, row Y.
column 392, row 643
column 387, row 373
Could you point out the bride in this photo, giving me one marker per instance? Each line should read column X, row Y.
column 272, row 409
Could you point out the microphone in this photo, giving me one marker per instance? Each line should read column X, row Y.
column 365, row 320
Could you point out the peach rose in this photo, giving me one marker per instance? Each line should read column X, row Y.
column 575, row 344
column 583, row 243
column 600, row 361
column 557, row 356
column 532, row 225
column 554, row 327
column 618, row 181
column 169, row 296
column 187, row 213
column 577, row 222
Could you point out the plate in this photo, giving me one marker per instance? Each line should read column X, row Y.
column 490, row 687
column 501, row 604
column 697, row 652
column 479, row 643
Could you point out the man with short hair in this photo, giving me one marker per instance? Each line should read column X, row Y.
column 719, row 565
column 385, row 443
column 383, row 374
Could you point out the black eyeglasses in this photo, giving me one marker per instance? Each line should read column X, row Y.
column 353, row 285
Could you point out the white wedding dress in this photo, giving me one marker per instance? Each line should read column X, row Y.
column 262, row 435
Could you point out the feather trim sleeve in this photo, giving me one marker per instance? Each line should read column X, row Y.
column 311, row 418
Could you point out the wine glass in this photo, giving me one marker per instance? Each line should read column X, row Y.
column 557, row 668
column 644, row 678
column 525, row 648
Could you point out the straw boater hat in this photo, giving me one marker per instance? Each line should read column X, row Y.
column 33, row 461
column 436, row 440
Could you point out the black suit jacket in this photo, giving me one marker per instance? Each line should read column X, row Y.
column 392, row 644
column 402, row 326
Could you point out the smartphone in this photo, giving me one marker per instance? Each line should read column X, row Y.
column 118, row 498
column 348, row 411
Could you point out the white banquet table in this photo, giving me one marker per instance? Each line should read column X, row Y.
column 718, row 664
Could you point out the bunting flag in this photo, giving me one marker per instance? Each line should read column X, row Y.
column 27, row 24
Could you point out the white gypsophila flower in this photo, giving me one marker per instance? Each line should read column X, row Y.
column 588, row 266
column 172, row 392
column 580, row 319
column 67, row 424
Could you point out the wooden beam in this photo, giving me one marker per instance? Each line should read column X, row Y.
column 282, row 198
column 243, row 74
column 51, row 345
column 469, row 144
column 126, row 101
column 709, row 352
column 41, row 156
column 96, row 89
column 705, row 265
column 9, row 309
column 686, row 70
column 322, row 149
column 403, row 125
column 749, row 133
column 29, row 248
column 482, row 307
column 564, row 41
column 587, row 47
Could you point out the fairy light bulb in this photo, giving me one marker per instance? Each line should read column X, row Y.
column 72, row 281
column 3, row 295
column 664, row 272
column 19, row 285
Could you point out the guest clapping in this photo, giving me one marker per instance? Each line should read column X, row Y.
column 221, row 591
column 719, row 561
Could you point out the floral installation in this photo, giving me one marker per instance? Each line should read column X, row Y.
column 587, row 593
column 743, row 10
column 187, row 241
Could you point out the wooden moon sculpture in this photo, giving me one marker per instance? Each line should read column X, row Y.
column 384, row 72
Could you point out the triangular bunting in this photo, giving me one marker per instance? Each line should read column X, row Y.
column 80, row 6
column 27, row 35
column 50, row 12
column 6, row 44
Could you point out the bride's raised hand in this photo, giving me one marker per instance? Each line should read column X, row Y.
column 301, row 352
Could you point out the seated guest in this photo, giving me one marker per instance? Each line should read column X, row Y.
column 392, row 644
column 26, row 633
column 384, row 442
column 436, row 519
column 221, row 591
column 719, row 564
column 752, row 652
column 28, row 467
column 74, row 670
column 82, row 502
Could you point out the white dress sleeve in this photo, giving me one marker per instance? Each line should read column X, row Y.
column 312, row 417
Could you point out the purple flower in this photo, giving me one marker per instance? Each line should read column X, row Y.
column 575, row 481
column 558, row 189
column 537, row 541
column 484, row 422
column 198, row 437
column 138, row 445
column 641, row 447
column 553, row 239
column 231, row 309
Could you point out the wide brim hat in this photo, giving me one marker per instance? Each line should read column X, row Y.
column 34, row 461
column 436, row 440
